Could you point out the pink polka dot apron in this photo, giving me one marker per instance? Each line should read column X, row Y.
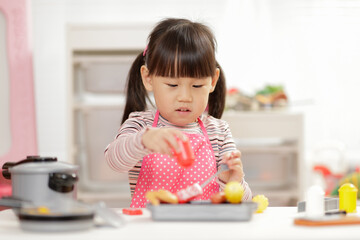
column 159, row 171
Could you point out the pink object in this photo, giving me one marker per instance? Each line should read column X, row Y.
column 22, row 107
column 145, row 50
column 189, row 193
column 159, row 171
column 192, row 191
column 185, row 157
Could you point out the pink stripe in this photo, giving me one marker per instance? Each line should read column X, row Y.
column 22, row 103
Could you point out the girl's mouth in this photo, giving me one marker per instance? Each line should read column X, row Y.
column 183, row 110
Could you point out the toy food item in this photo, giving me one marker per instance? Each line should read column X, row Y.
column 185, row 157
column 43, row 210
column 234, row 192
column 189, row 193
column 155, row 197
column 262, row 202
column 151, row 196
column 132, row 211
column 195, row 190
column 218, row 197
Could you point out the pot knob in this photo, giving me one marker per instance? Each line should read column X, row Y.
column 29, row 159
column 62, row 182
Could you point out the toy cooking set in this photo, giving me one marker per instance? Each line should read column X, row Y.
column 44, row 196
column 320, row 211
column 165, row 206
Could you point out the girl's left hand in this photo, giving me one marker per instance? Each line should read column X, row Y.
column 233, row 160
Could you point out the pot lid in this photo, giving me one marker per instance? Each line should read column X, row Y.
column 43, row 167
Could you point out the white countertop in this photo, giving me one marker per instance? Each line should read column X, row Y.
column 274, row 223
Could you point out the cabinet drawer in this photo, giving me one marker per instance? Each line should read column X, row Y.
column 105, row 74
column 96, row 128
column 268, row 170
column 282, row 125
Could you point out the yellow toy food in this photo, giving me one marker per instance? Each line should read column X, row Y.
column 234, row 192
column 155, row 197
column 262, row 202
column 43, row 210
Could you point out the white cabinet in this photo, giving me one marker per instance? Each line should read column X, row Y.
column 271, row 143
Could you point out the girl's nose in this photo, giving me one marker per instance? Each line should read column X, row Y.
column 184, row 95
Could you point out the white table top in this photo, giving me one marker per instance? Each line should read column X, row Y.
column 274, row 223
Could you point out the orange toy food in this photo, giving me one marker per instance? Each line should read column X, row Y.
column 155, row 197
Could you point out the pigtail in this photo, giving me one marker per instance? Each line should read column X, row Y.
column 217, row 97
column 136, row 93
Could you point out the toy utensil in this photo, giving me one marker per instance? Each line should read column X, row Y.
column 192, row 191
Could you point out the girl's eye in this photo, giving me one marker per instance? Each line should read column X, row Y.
column 172, row 85
column 197, row 86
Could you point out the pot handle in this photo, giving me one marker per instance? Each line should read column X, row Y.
column 62, row 182
column 5, row 169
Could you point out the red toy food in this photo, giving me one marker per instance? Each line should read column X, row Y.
column 185, row 157
column 132, row 211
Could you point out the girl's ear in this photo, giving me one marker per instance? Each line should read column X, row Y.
column 214, row 79
column 146, row 79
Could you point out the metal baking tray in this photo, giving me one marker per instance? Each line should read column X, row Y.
column 202, row 211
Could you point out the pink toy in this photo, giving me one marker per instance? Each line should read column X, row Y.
column 189, row 193
column 192, row 191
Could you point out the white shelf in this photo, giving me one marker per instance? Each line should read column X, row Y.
column 93, row 106
column 275, row 140
column 268, row 149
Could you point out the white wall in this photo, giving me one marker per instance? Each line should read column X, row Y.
column 311, row 47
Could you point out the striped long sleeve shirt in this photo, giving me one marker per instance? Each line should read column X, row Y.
column 126, row 152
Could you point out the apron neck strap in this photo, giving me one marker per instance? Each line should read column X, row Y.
column 156, row 118
column 204, row 131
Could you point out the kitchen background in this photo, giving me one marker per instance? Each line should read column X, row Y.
column 311, row 48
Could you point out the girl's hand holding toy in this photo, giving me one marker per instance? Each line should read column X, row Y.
column 163, row 140
column 236, row 173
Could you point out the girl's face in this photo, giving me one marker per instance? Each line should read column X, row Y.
column 180, row 100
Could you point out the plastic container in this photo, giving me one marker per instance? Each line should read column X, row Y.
column 315, row 202
column 348, row 197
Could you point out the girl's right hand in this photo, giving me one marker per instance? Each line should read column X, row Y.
column 163, row 140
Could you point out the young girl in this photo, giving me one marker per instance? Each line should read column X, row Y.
column 179, row 67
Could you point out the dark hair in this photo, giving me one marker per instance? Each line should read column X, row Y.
column 176, row 48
